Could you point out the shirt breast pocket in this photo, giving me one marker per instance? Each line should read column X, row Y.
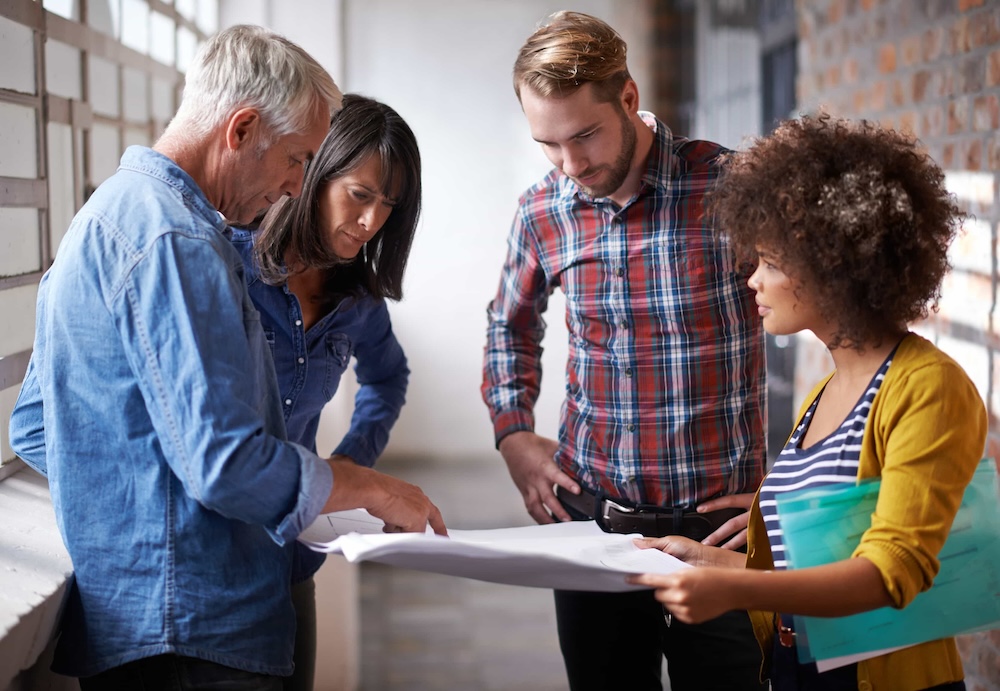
column 269, row 337
column 338, row 355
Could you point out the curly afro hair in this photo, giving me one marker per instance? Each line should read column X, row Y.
column 857, row 213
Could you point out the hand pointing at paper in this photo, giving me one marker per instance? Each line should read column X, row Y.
column 402, row 506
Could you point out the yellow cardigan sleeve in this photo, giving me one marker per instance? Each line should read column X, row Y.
column 925, row 437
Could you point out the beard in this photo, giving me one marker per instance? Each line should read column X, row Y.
column 617, row 171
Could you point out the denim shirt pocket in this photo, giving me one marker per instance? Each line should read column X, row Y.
column 269, row 337
column 338, row 354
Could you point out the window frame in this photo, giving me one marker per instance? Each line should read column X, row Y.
column 34, row 193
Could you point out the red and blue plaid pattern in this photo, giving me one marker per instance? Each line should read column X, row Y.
column 665, row 382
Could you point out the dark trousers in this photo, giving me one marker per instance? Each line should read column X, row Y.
column 304, row 599
column 618, row 640
column 177, row 673
column 788, row 674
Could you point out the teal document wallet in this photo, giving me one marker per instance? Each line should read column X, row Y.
column 822, row 526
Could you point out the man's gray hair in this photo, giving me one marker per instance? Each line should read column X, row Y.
column 249, row 66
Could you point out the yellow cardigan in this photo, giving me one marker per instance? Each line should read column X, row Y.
column 924, row 437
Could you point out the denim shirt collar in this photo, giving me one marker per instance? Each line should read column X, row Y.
column 142, row 159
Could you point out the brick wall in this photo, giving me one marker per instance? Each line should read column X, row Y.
column 932, row 68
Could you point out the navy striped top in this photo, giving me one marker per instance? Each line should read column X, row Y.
column 830, row 461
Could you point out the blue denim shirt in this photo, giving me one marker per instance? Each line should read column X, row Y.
column 310, row 364
column 152, row 405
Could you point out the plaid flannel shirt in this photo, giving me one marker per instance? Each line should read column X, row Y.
column 665, row 380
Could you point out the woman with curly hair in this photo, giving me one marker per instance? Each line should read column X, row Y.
column 849, row 225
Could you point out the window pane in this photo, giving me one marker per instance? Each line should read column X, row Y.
column 103, row 86
column 187, row 45
column 208, row 16
column 135, row 25
column 17, row 55
column 161, row 38
column 61, row 164
column 163, row 100
column 20, row 249
column 17, row 314
column 62, row 69
column 105, row 16
column 104, row 153
column 187, row 8
column 134, row 135
column 70, row 9
column 136, row 102
column 18, row 142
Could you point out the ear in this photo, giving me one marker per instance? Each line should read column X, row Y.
column 630, row 97
column 242, row 127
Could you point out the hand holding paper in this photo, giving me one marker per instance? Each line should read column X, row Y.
column 568, row 556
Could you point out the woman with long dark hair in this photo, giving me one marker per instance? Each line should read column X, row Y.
column 319, row 269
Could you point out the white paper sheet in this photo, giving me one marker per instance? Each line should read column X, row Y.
column 567, row 556
column 834, row 662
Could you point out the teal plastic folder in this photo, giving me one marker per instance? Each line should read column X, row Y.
column 825, row 525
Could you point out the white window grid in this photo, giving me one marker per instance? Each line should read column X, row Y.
column 171, row 31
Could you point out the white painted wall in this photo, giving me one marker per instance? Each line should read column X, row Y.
column 445, row 65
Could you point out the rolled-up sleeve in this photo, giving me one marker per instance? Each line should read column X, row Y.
column 512, row 363
column 27, row 423
column 383, row 376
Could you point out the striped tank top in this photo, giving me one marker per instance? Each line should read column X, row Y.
column 830, row 461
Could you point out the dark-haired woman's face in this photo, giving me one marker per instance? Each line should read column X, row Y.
column 353, row 208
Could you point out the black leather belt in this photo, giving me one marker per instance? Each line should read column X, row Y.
column 616, row 516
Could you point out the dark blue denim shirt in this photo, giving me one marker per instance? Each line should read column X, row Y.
column 310, row 364
column 151, row 403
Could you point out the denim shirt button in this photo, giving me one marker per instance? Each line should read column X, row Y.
column 288, row 401
column 298, row 322
column 301, row 360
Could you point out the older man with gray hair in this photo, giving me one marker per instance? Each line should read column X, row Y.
column 151, row 401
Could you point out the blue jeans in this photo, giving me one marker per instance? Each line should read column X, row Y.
column 176, row 673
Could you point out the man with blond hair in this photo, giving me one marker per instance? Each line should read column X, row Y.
column 151, row 401
column 662, row 428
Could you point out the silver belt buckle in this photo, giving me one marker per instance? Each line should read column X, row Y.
column 608, row 505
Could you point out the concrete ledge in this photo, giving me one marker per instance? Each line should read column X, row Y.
column 35, row 572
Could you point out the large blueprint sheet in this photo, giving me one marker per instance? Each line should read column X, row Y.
column 566, row 556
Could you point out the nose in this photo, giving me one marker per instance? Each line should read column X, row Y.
column 373, row 217
column 293, row 183
column 754, row 281
column 574, row 163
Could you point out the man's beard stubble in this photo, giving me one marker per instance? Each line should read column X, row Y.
column 620, row 168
